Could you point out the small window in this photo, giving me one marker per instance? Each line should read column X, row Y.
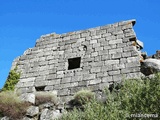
column 74, row 63
column 41, row 88
column 132, row 39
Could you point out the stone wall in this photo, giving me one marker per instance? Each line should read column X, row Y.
column 92, row 58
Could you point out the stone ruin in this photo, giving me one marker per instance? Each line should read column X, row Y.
column 62, row 65
column 92, row 58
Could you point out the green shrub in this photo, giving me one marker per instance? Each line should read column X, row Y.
column 45, row 97
column 96, row 111
column 83, row 97
column 12, row 80
column 141, row 96
column 133, row 97
column 11, row 106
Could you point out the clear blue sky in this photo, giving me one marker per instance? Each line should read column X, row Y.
column 24, row 21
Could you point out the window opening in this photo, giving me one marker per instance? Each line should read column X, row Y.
column 132, row 39
column 74, row 63
column 41, row 88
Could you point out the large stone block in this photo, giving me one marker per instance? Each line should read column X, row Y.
column 54, row 82
column 115, row 72
column 66, row 80
column 95, row 69
column 28, row 97
column 64, row 92
column 89, row 76
column 111, row 62
column 32, row 111
column 115, row 41
column 95, row 81
column 107, row 79
column 114, row 51
column 117, row 55
column 130, row 70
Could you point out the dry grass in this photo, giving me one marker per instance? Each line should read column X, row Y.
column 45, row 97
column 11, row 106
column 83, row 96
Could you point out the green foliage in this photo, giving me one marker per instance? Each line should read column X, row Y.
column 95, row 110
column 141, row 96
column 12, row 80
column 133, row 97
column 11, row 106
column 83, row 97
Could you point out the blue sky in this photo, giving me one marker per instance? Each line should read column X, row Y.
column 24, row 21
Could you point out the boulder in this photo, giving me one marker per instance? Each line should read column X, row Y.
column 28, row 97
column 26, row 118
column 47, row 114
column 47, row 105
column 44, row 115
column 32, row 111
column 5, row 118
column 150, row 66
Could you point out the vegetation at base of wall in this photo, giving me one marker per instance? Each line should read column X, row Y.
column 83, row 96
column 134, row 97
column 12, row 80
column 45, row 97
column 141, row 96
column 11, row 106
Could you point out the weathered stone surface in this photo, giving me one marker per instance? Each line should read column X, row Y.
column 27, row 118
column 32, row 111
column 150, row 66
column 28, row 97
column 85, row 58
column 44, row 114
column 140, row 43
column 50, row 114
column 48, row 105
column 5, row 118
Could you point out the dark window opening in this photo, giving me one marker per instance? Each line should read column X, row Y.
column 132, row 39
column 74, row 63
column 41, row 88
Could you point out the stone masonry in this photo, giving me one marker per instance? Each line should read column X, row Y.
column 92, row 58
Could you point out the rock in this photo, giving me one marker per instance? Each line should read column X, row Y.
column 150, row 66
column 32, row 111
column 140, row 43
column 47, row 105
column 28, row 97
column 47, row 114
column 26, row 118
column 5, row 118
column 44, row 114
column 56, row 114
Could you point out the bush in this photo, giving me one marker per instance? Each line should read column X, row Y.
column 133, row 97
column 141, row 96
column 12, row 80
column 96, row 111
column 11, row 106
column 83, row 96
column 45, row 97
